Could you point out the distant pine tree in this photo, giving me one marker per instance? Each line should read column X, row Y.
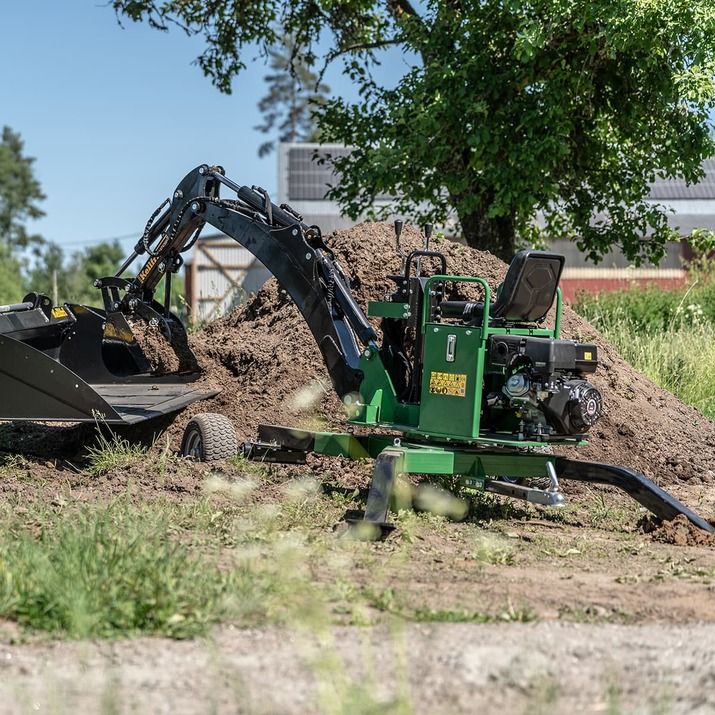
column 293, row 94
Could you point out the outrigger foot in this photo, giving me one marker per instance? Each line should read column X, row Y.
column 636, row 485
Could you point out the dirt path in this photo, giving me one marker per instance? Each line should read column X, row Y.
column 436, row 668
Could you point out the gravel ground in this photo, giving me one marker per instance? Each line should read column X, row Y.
column 547, row 667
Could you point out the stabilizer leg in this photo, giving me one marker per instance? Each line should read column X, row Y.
column 388, row 465
column 638, row 486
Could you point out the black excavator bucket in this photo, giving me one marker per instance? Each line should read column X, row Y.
column 56, row 364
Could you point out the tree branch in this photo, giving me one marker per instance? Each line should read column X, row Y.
column 337, row 52
column 399, row 7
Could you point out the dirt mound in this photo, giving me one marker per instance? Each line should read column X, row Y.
column 270, row 369
column 679, row 532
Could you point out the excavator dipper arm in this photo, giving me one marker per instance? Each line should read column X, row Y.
column 293, row 252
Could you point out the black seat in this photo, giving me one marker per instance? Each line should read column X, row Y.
column 529, row 289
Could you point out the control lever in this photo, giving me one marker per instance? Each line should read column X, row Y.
column 399, row 223
column 428, row 234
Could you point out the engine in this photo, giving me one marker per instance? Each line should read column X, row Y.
column 541, row 383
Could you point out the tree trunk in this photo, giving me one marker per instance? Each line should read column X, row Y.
column 495, row 235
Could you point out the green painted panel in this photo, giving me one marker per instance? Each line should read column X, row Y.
column 452, row 381
column 339, row 445
column 378, row 400
column 388, row 309
column 428, row 461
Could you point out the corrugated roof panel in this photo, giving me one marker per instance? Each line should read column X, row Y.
column 309, row 180
column 678, row 189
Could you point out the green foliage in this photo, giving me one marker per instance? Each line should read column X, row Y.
column 679, row 359
column 505, row 109
column 105, row 573
column 97, row 261
column 508, row 615
column 20, row 193
column 48, row 272
column 294, row 92
column 74, row 277
column 650, row 310
column 568, row 109
column 647, row 310
column 701, row 266
column 11, row 287
column 494, row 549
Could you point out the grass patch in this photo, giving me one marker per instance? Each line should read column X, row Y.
column 605, row 513
column 256, row 469
column 508, row 615
column 487, row 508
column 595, row 614
column 13, row 465
column 651, row 310
column 678, row 359
column 111, row 453
column 237, row 554
column 106, row 572
column 493, row 549
column 669, row 337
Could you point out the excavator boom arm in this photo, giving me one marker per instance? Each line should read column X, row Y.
column 293, row 252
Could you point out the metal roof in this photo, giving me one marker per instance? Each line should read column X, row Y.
column 308, row 180
column 678, row 189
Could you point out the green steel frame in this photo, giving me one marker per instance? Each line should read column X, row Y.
column 438, row 417
column 477, row 468
column 472, row 465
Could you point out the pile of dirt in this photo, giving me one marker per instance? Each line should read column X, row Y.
column 678, row 531
column 265, row 360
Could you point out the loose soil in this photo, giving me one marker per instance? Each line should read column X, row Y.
column 164, row 356
column 681, row 532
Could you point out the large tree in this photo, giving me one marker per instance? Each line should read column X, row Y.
column 507, row 109
column 20, row 193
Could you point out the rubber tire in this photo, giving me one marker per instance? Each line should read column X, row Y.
column 209, row 437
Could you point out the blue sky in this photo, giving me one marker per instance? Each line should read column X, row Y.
column 115, row 117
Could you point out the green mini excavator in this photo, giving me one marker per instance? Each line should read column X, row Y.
column 461, row 382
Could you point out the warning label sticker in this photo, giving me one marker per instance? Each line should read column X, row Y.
column 448, row 383
column 59, row 313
